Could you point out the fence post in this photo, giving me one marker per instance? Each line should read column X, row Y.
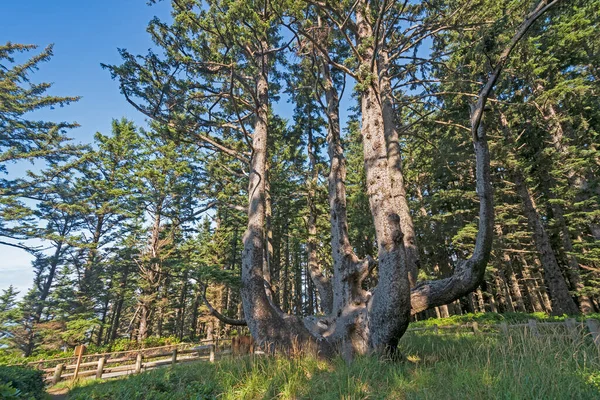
column 504, row 328
column 532, row 324
column 79, row 350
column 138, row 363
column 57, row 373
column 100, row 369
column 571, row 325
column 594, row 327
column 475, row 327
column 211, row 358
column 174, row 357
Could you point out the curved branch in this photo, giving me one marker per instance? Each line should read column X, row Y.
column 504, row 56
column 470, row 273
column 223, row 318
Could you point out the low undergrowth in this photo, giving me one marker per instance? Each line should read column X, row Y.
column 490, row 318
column 448, row 366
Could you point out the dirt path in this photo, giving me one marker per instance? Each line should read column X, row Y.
column 58, row 394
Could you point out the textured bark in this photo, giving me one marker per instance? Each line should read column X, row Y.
column 389, row 307
column 321, row 282
column 344, row 259
column 151, row 275
column 269, row 326
column 362, row 321
column 268, row 253
column 396, row 175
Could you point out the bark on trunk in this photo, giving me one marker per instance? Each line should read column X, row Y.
column 268, row 326
column 321, row 282
column 344, row 258
column 396, row 175
column 389, row 307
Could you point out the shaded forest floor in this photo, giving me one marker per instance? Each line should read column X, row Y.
column 449, row 366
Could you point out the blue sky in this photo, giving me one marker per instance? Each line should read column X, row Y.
column 85, row 33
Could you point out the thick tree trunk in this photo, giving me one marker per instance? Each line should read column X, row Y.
column 151, row 276
column 268, row 253
column 362, row 321
column 389, row 307
column 321, row 282
column 344, row 258
column 268, row 326
column 396, row 175
column 144, row 320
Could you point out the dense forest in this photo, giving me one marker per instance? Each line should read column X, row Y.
column 320, row 171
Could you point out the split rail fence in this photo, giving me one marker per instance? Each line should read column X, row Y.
column 108, row 365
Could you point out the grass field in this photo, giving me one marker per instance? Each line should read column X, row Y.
column 448, row 366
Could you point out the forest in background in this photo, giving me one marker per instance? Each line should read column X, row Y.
column 142, row 230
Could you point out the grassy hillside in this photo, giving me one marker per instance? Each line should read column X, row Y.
column 449, row 366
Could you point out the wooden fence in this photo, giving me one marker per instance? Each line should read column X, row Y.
column 108, row 365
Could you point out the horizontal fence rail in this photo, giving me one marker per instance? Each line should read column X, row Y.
column 119, row 363
column 110, row 365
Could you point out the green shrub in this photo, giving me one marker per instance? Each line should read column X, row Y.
column 8, row 392
column 23, row 383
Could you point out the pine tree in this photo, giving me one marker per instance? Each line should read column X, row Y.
column 24, row 139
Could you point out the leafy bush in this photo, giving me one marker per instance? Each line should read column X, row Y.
column 8, row 392
column 21, row 383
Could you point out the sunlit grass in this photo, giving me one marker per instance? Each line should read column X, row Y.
column 453, row 366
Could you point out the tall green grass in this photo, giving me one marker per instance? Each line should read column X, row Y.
column 440, row 366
